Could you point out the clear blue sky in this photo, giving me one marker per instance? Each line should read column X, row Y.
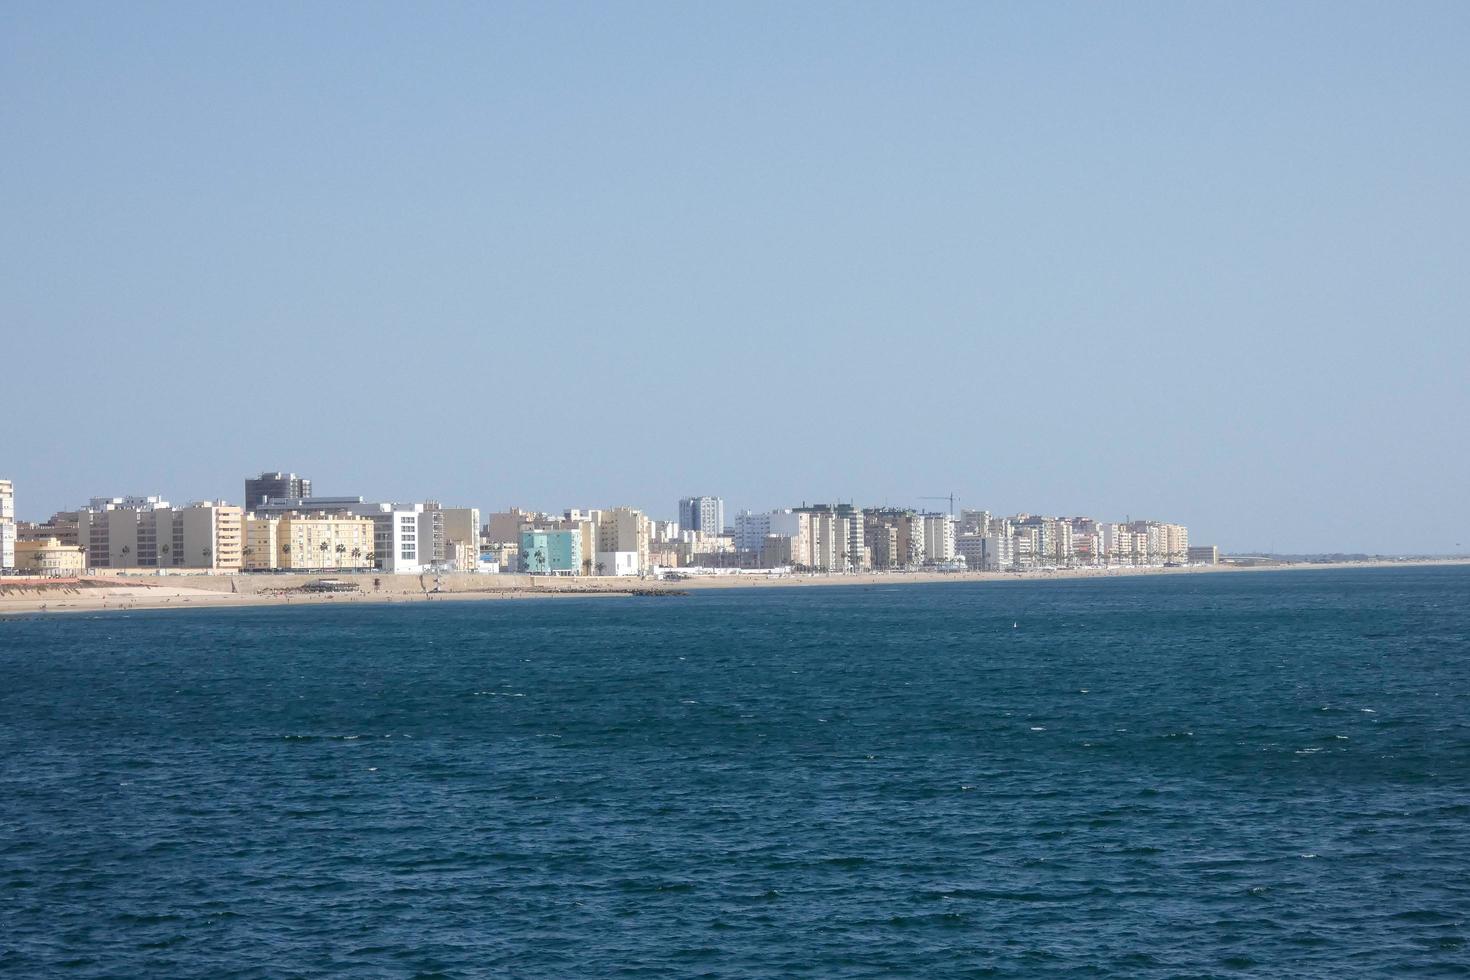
column 1196, row 262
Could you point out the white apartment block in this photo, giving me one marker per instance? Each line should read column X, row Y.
column 7, row 524
column 7, row 544
column 395, row 535
column 986, row 552
column 751, row 530
column 1063, row 552
column 939, row 538
column 703, row 514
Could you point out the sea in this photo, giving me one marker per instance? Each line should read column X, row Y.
column 1262, row 774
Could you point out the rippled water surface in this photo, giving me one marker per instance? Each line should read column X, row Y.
column 1263, row 774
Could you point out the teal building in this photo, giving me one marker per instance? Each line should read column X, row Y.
column 551, row 552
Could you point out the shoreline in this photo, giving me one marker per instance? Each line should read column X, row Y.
column 120, row 593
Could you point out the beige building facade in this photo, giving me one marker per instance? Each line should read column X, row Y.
column 308, row 542
column 149, row 532
column 49, row 557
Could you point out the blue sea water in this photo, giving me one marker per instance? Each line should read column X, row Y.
column 1184, row 776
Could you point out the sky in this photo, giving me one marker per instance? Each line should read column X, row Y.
column 1203, row 263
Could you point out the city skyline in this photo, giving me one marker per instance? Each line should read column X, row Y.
column 26, row 510
column 288, row 528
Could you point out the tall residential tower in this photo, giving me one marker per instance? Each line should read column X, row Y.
column 706, row 515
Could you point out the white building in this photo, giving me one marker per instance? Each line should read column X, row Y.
column 7, row 524
column 986, row 552
column 751, row 530
column 938, row 538
column 617, row 563
column 395, row 535
column 703, row 514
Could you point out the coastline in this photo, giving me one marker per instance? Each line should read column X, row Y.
column 119, row 593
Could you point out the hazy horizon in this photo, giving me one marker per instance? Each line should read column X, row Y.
column 1186, row 263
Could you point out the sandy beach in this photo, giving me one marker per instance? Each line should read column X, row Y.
column 178, row 591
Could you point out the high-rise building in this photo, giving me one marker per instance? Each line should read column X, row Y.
column 706, row 515
column 938, row 538
column 7, row 524
column 894, row 537
column 274, row 485
column 836, row 536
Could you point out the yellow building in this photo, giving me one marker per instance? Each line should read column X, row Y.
column 49, row 557
column 307, row 542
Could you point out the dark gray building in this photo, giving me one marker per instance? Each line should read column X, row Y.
column 274, row 485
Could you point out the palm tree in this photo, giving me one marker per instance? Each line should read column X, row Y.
column 372, row 558
column 324, row 548
column 356, row 557
column 205, row 552
column 341, row 550
column 601, row 567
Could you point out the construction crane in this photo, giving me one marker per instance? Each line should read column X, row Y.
column 951, row 498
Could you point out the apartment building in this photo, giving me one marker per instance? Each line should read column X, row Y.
column 624, row 529
column 308, row 542
column 149, row 532
column 705, row 515
column 835, row 537
column 208, row 534
column 894, row 537
column 7, row 524
column 938, row 538
column 552, row 551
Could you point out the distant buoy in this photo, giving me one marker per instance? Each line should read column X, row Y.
column 1015, row 626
